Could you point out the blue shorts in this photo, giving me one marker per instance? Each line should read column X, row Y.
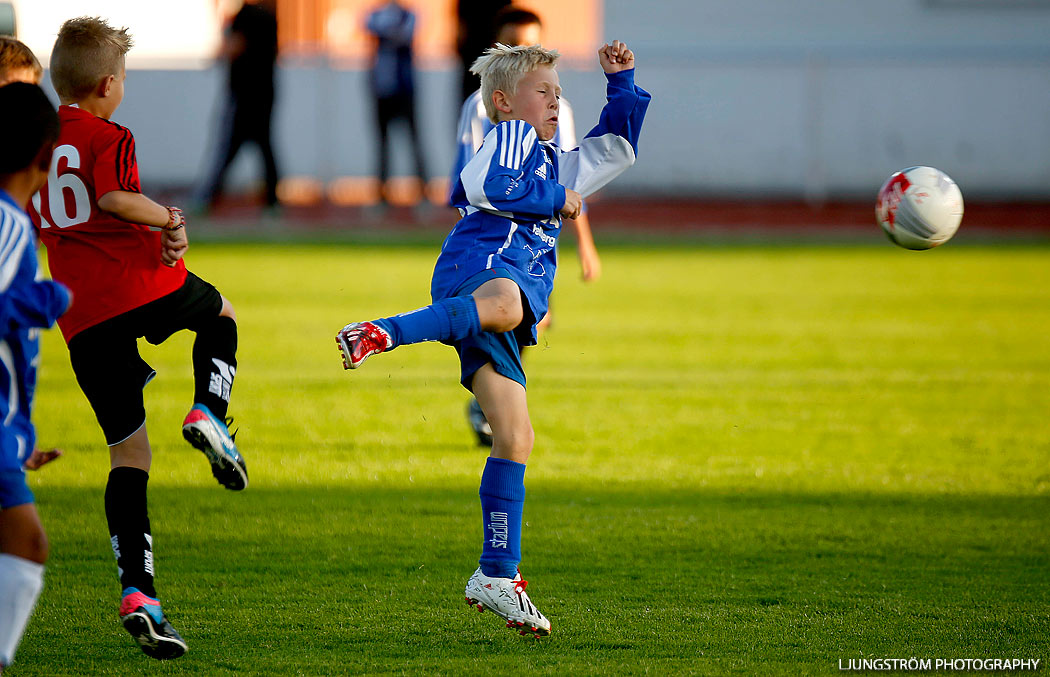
column 503, row 350
column 13, row 489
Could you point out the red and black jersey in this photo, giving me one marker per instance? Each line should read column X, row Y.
column 110, row 265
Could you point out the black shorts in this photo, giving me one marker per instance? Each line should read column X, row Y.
column 106, row 359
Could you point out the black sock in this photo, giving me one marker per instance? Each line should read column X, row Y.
column 129, row 530
column 215, row 364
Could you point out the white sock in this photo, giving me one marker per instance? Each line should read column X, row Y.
column 20, row 584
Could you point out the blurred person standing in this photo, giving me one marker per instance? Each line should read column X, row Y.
column 475, row 32
column 250, row 47
column 392, row 83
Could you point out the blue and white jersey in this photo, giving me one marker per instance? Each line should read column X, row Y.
column 511, row 191
column 27, row 304
column 474, row 126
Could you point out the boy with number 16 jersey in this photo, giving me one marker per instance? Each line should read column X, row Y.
column 120, row 253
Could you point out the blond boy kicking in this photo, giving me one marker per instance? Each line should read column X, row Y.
column 493, row 278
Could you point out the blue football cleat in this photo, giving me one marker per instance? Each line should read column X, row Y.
column 144, row 619
column 207, row 433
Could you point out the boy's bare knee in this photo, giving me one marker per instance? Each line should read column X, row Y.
column 38, row 548
column 514, row 443
column 508, row 313
column 134, row 452
column 29, row 542
column 499, row 305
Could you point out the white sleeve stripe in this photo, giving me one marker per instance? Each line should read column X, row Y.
column 8, row 230
column 502, row 145
column 7, row 358
column 474, row 174
column 512, row 133
column 517, row 145
column 11, row 248
column 516, row 150
column 11, row 262
column 508, row 146
column 522, row 141
column 516, row 139
column 527, row 143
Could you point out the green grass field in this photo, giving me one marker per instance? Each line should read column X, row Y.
column 748, row 460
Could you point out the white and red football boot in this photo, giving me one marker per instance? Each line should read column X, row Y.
column 358, row 341
column 507, row 599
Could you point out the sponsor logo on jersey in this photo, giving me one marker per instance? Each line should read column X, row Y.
column 548, row 240
column 536, row 268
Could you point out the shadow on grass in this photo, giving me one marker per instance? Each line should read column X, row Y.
column 356, row 579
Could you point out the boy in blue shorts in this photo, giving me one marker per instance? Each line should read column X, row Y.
column 27, row 305
column 493, row 278
column 515, row 26
column 19, row 64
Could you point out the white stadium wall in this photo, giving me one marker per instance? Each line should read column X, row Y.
column 809, row 98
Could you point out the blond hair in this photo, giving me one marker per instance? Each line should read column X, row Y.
column 14, row 55
column 502, row 67
column 87, row 50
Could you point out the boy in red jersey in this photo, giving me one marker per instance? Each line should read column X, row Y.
column 120, row 253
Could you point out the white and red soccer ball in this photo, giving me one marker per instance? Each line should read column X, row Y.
column 919, row 208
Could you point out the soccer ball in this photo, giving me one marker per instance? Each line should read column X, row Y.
column 919, row 208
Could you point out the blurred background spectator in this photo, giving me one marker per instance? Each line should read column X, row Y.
column 392, row 84
column 250, row 48
column 475, row 32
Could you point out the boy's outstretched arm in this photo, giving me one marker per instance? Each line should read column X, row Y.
column 137, row 208
column 134, row 208
column 611, row 147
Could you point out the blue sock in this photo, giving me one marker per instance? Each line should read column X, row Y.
column 502, row 499
column 451, row 319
